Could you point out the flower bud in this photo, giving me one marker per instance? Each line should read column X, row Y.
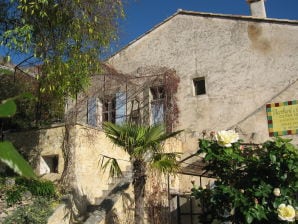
column 276, row 192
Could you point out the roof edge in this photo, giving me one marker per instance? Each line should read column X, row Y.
column 241, row 17
column 205, row 14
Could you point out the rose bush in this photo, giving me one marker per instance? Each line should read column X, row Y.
column 255, row 183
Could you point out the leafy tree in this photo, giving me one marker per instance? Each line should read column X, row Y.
column 254, row 183
column 143, row 145
column 65, row 37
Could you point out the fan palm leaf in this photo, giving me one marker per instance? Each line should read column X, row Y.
column 144, row 145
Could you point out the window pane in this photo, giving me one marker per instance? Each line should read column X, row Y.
column 157, row 104
column 92, row 112
column 120, row 107
column 109, row 109
column 157, row 112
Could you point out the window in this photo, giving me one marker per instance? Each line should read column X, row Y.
column 109, row 110
column 92, row 111
column 49, row 164
column 199, row 86
column 157, row 104
column 114, row 108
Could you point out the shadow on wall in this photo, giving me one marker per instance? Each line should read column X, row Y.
column 112, row 217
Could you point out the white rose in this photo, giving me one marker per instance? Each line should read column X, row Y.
column 276, row 192
column 226, row 138
column 286, row 213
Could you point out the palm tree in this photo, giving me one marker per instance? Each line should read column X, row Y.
column 144, row 146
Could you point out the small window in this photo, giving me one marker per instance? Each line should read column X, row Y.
column 199, row 86
column 49, row 164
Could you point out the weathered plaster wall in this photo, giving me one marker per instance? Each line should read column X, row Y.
column 246, row 63
column 91, row 146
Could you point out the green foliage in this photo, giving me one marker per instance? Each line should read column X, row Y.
column 68, row 37
column 138, row 140
column 5, row 71
column 33, row 109
column 248, row 181
column 165, row 162
column 112, row 163
column 8, row 154
column 20, row 93
column 7, row 108
column 143, row 143
column 144, row 146
column 37, row 213
column 11, row 157
column 13, row 195
column 38, row 187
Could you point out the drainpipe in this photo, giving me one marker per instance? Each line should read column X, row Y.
column 257, row 8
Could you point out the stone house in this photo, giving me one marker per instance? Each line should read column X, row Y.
column 229, row 68
column 193, row 71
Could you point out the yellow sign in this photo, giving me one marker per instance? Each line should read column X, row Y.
column 282, row 118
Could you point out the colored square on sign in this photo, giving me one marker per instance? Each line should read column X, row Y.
column 282, row 118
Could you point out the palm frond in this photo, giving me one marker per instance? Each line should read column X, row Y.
column 165, row 162
column 112, row 164
column 140, row 141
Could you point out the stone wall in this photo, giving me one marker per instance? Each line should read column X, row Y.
column 43, row 142
column 91, row 145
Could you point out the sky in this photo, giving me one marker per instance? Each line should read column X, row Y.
column 143, row 15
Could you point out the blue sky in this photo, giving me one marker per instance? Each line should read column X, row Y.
column 142, row 15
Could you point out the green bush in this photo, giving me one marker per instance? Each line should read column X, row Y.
column 253, row 183
column 38, row 187
column 37, row 213
column 13, row 195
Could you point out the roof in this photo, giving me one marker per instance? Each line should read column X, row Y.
column 214, row 15
column 194, row 165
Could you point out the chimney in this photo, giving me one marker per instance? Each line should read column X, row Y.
column 257, row 8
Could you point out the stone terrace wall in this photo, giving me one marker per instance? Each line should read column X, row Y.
column 91, row 145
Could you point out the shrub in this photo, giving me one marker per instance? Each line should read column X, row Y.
column 13, row 195
column 38, row 187
column 252, row 182
column 37, row 213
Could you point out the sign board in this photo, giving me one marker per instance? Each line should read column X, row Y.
column 282, row 118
